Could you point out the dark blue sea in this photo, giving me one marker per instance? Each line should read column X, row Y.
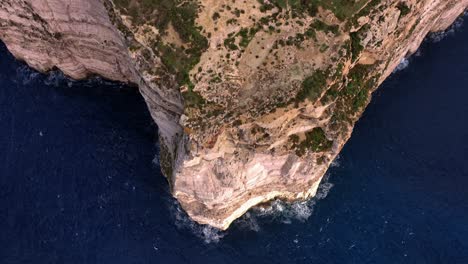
column 80, row 182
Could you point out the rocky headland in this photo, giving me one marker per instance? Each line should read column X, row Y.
column 253, row 99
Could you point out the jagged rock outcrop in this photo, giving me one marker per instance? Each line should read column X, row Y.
column 253, row 99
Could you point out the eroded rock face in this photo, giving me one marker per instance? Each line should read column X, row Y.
column 254, row 99
column 75, row 36
column 79, row 38
column 219, row 183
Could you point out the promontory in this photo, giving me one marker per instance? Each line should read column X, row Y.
column 253, row 98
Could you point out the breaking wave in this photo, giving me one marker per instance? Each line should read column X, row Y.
column 336, row 162
column 434, row 38
column 56, row 79
column 26, row 75
column 206, row 233
column 157, row 156
column 404, row 63
column 286, row 212
column 183, row 222
column 277, row 211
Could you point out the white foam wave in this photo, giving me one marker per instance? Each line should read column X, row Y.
column 418, row 53
column 207, row 233
column 249, row 222
column 287, row 213
column 26, row 74
column 404, row 63
column 278, row 210
column 96, row 80
column 434, row 38
column 55, row 78
column 156, row 158
column 336, row 162
column 324, row 190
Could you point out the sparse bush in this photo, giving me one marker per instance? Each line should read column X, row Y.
column 313, row 86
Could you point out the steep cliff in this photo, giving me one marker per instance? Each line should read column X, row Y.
column 254, row 99
column 79, row 38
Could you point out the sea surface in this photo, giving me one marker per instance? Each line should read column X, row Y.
column 80, row 181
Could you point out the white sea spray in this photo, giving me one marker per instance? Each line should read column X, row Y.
column 404, row 63
column 277, row 211
column 55, row 79
column 157, row 156
column 25, row 74
column 434, row 38
column 249, row 221
column 286, row 212
column 206, row 233
column 183, row 222
column 336, row 162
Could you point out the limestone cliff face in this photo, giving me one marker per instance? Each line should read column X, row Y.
column 262, row 157
column 254, row 99
column 74, row 36
column 79, row 38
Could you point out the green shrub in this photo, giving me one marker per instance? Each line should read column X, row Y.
column 315, row 140
column 404, row 9
column 181, row 14
column 313, row 86
column 216, row 16
column 322, row 26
